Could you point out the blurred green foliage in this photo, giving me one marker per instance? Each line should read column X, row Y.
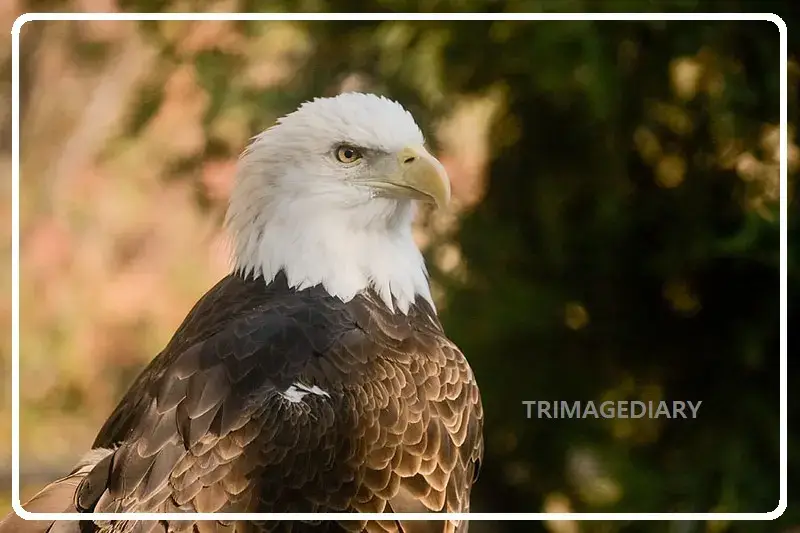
column 622, row 249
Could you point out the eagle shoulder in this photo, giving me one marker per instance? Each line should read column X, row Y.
column 209, row 417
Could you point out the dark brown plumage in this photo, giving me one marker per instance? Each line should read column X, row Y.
column 394, row 424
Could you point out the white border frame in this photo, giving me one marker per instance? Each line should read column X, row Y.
column 30, row 17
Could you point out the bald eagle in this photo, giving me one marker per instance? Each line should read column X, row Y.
column 316, row 377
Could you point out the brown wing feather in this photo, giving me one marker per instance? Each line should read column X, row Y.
column 395, row 424
column 431, row 456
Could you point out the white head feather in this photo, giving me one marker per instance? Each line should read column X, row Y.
column 296, row 208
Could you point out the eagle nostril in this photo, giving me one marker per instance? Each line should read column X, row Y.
column 409, row 159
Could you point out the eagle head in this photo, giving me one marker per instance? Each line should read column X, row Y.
column 327, row 195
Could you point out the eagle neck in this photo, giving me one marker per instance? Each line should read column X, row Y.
column 349, row 251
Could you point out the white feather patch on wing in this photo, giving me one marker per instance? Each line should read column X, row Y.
column 296, row 392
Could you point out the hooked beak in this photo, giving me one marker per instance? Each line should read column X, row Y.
column 419, row 175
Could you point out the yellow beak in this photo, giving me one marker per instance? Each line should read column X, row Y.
column 420, row 176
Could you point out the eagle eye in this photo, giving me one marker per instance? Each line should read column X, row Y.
column 347, row 154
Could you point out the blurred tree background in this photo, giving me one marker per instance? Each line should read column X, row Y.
column 614, row 233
